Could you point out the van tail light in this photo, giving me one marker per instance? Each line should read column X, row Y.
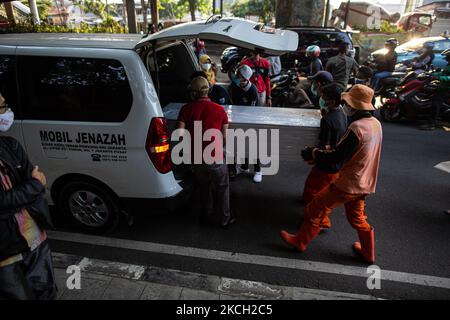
column 158, row 145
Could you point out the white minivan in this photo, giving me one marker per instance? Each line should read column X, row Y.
column 89, row 110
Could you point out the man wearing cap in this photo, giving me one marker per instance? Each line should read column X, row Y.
column 260, row 76
column 360, row 150
column 320, row 79
column 217, row 93
column 246, row 94
column 333, row 125
column 212, row 179
column 342, row 66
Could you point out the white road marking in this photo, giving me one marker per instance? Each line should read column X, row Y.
column 270, row 261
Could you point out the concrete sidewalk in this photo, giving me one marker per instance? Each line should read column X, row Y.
column 107, row 280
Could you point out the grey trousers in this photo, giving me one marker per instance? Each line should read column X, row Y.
column 213, row 188
column 30, row 279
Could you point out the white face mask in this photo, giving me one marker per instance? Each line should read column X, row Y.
column 206, row 66
column 6, row 120
column 348, row 111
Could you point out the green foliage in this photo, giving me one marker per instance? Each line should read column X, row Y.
column 386, row 27
column 177, row 9
column 44, row 7
column 107, row 26
column 265, row 9
column 97, row 7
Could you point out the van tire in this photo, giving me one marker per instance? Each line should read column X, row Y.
column 89, row 207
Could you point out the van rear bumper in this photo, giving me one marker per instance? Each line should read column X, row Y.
column 138, row 206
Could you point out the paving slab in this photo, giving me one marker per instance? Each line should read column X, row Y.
column 123, row 289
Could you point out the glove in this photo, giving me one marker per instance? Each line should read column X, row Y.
column 307, row 154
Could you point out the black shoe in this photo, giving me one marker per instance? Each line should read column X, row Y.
column 227, row 221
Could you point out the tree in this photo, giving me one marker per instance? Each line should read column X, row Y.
column 180, row 8
column 97, row 7
column 44, row 7
column 264, row 9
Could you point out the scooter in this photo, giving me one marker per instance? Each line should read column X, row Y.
column 281, row 86
column 413, row 100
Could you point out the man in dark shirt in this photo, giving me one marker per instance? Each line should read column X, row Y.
column 332, row 127
column 342, row 66
column 217, row 93
column 246, row 94
column 385, row 65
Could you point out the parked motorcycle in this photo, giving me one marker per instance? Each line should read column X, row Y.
column 413, row 100
column 281, row 86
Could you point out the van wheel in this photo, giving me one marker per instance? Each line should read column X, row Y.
column 88, row 206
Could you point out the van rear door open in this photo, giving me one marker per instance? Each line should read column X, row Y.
column 238, row 32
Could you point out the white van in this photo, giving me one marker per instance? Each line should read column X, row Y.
column 89, row 114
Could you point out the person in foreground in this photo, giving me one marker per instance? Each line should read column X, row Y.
column 26, row 268
column 360, row 149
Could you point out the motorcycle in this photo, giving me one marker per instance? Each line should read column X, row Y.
column 413, row 100
column 282, row 85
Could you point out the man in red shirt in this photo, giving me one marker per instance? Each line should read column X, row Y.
column 212, row 178
column 260, row 78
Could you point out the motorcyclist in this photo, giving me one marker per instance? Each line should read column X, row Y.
column 424, row 61
column 385, row 64
column 315, row 65
column 442, row 94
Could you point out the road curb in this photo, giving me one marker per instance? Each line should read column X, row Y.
column 188, row 283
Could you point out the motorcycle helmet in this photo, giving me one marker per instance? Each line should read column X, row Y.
column 392, row 42
column 312, row 51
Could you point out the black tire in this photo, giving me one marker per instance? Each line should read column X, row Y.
column 89, row 207
column 390, row 112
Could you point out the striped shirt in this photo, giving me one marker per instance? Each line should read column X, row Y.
column 27, row 226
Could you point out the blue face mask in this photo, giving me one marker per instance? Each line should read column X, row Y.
column 322, row 104
column 235, row 80
column 314, row 90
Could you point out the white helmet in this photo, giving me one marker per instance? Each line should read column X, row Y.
column 245, row 71
column 313, row 51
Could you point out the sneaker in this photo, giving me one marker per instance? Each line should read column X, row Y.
column 227, row 221
column 257, row 178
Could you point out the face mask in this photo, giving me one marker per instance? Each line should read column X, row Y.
column 6, row 120
column 235, row 80
column 323, row 105
column 206, row 66
column 246, row 86
column 314, row 90
column 348, row 111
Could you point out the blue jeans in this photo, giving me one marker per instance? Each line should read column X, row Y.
column 377, row 77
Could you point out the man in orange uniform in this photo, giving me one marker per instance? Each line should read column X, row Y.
column 333, row 126
column 360, row 149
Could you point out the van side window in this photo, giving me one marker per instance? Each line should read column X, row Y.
column 8, row 85
column 74, row 89
column 174, row 70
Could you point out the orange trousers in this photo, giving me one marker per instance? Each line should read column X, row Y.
column 317, row 181
column 331, row 197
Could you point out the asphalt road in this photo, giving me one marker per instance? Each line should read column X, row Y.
column 412, row 233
